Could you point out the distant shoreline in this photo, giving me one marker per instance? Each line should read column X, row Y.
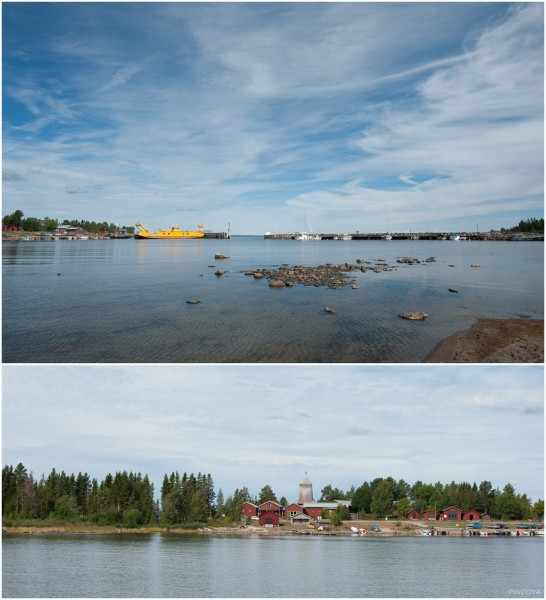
column 493, row 341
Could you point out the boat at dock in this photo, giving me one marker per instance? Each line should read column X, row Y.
column 345, row 237
column 425, row 531
column 454, row 237
column 173, row 233
column 307, row 234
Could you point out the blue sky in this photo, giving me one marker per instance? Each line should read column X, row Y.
column 267, row 424
column 251, row 113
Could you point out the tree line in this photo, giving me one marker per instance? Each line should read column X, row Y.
column 381, row 497
column 127, row 499
column 529, row 226
column 18, row 219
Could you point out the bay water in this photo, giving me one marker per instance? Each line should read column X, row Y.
column 125, row 300
column 189, row 565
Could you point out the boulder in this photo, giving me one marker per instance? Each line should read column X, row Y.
column 453, row 290
column 329, row 310
column 221, row 256
column 258, row 276
column 219, row 272
column 414, row 316
column 475, row 265
column 193, row 301
column 276, row 283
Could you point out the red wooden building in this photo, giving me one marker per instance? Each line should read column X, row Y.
column 452, row 513
column 270, row 506
column 250, row 510
column 413, row 515
column 9, row 227
column 269, row 518
column 292, row 510
column 486, row 517
column 471, row 515
column 429, row 515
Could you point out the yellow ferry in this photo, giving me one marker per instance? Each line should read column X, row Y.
column 174, row 232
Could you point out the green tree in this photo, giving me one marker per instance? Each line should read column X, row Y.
column 343, row 512
column 132, row 518
column 335, row 518
column 362, row 498
column 538, row 509
column 283, row 501
column 403, row 506
column 199, row 508
column 267, row 495
column 382, row 499
column 329, row 494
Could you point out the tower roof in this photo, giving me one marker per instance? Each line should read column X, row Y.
column 305, row 480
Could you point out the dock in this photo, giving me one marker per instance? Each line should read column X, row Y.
column 470, row 236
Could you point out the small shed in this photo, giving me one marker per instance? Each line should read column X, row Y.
column 486, row 517
column 300, row 519
column 269, row 519
column 413, row 515
column 9, row 228
column 323, row 522
column 429, row 515
column 471, row 515
column 451, row 513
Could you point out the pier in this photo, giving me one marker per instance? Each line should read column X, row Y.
column 470, row 236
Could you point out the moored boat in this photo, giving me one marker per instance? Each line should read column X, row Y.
column 354, row 530
column 454, row 237
column 173, row 233
column 345, row 237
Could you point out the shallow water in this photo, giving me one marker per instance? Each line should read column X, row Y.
column 125, row 300
column 167, row 565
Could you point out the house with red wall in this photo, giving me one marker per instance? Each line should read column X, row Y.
column 413, row 515
column 429, row 515
column 292, row 510
column 471, row 515
column 270, row 506
column 452, row 513
column 269, row 519
column 250, row 510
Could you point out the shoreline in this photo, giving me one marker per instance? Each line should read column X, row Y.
column 493, row 341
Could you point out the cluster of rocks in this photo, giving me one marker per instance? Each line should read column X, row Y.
column 332, row 276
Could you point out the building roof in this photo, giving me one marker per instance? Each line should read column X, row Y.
column 328, row 505
column 347, row 503
column 470, row 510
column 444, row 509
column 305, row 480
column 252, row 504
column 301, row 517
column 269, row 502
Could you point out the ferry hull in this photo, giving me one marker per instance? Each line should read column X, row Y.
column 175, row 233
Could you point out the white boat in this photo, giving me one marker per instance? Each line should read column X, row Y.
column 345, row 237
column 362, row 531
column 24, row 238
column 442, row 237
column 454, row 237
column 425, row 531
column 354, row 530
column 308, row 233
column 386, row 236
column 83, row 237
column 540, row 532
column 414, row 237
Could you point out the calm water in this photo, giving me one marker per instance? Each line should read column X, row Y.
column 125, row 300
column 196, row 566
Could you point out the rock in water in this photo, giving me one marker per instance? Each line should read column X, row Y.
column 414, row 316
column 475, row 265
column 453, row 290
column 276, row 283
column 219, row 272
column 193, row 301
column 355, row 287
column 258, row 276
column 329, row 310
column 219, row 256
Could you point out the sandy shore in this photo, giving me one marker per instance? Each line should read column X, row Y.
column 493, row 341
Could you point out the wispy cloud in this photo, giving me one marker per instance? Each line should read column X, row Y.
column 533, row 410
column 358, row 431
column 11, row 176
column 125, row 73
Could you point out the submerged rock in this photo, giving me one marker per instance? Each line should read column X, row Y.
column 220, row 256
column 219, row 272
column 193, row 301
column 276, row 283
column 329, row 310
column 414, row 316
column 475, row 265
column 453, row 290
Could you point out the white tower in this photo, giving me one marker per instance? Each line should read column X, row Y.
column 305, row 493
